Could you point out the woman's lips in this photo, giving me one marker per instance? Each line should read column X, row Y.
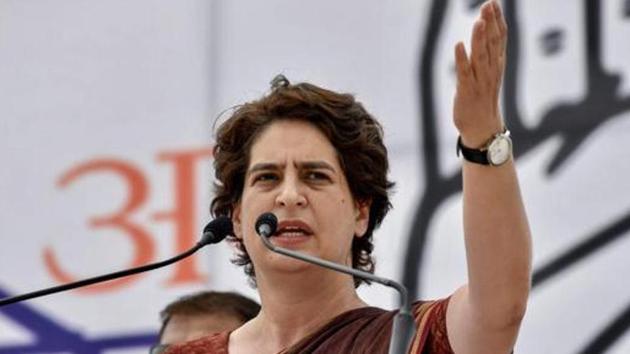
column 293, row 227
column 291, row 232
column 289, row 239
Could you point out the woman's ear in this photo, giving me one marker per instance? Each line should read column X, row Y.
column 236, row 221
column 362, row 217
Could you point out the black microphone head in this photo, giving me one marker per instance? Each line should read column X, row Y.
column 217, row 230
column 266, row 224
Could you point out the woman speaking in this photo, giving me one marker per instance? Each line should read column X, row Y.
column 316, row 159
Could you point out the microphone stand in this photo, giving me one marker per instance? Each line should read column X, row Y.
column 210, row 236
column 403, row 327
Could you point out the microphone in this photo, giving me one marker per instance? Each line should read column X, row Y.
column 214, row 232
column 403, row 327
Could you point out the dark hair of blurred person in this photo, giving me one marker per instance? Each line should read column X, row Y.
column 199, row 314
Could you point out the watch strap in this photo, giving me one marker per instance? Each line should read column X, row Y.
column 472, row 155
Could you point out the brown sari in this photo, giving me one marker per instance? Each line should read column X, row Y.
column 360, row 331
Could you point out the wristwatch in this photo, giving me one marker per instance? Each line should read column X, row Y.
column 495, row 152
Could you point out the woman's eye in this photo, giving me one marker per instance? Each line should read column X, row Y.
column 317, row 176
column 265, row 177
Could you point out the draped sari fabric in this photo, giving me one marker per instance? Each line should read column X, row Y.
column 360, row 331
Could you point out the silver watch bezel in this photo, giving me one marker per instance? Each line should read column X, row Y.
column 499, row 138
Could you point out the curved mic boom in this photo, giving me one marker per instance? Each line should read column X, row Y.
column 214, row 232
column 404, row 326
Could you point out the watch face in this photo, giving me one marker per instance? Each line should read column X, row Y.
column 499, row 150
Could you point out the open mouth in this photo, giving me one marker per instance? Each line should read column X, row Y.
column 293, row 229
column 291, row 232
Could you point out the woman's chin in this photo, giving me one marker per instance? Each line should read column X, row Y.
column 281, row 264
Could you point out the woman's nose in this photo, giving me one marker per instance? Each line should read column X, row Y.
column 291, row 194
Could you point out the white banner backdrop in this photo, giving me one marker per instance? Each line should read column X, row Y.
column 106, row 111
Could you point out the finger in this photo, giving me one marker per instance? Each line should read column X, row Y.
column 493, row 37
column 503, row 36
column 462, row 65
column 490, row 17
column 501, row 24
column 479, row 50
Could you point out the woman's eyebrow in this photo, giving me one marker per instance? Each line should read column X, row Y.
column 264, row 166
column 304, row 165
column 314, row 165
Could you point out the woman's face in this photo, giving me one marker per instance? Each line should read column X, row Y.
column 294, row 172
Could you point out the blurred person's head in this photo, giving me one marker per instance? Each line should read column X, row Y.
column 200, row 314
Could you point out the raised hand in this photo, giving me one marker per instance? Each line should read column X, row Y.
column 476, row 111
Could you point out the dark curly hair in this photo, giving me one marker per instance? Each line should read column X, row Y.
column 355, row 134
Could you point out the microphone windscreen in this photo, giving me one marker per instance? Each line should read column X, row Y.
column 219, row 228
column 268, row 219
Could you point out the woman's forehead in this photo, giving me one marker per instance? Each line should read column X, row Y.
column 288, row 141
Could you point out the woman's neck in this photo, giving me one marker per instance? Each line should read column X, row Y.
column 295, row 305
